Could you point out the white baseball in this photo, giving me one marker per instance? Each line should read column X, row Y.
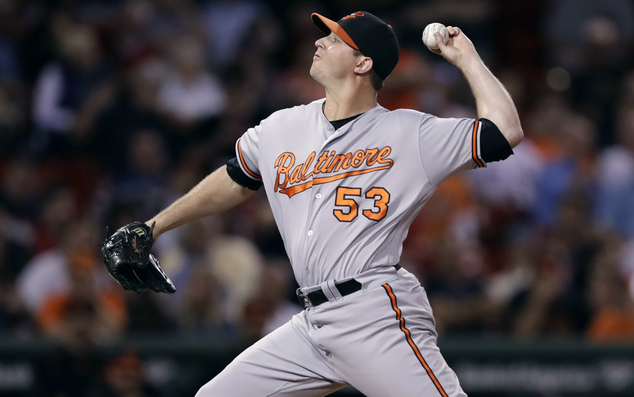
column 428, row 34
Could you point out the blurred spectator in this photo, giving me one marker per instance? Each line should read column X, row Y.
column 18, row 210
column 544, row 120
column 199, row 309
column 106, row 304
column 143, row 181
column 626, row 264
column 573, row 172
column 48, row 273
column 146, row 314
column 14, row 318
column 615, row 177
column 474, row 16
column 185, row 260
column 612, row 306
column 514, row 277
column 72, row 91
column 171, row 20
column 268, row 306
column 555, row 305
column 134, row 109
column 13, row 26
column 456, row 290
column 133, row 38
column 449, row 214
column 512, row 183
column 237, row 265
column 255, row 314
column 275, row 287
column 123, row 375
column 19, row 207
column 13, row 117
column 293, row 84
column 72, row 367
column 228, row 24
column 592, row 40
column 59, row 210
column 411, row 76
column 190, row 96
column 546, row 308
column 573, row 27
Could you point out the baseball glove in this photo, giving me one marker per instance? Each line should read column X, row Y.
column 127, row 256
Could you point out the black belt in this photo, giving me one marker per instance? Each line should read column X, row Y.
column 318, row 297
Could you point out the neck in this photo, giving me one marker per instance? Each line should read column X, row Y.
column 342, row 104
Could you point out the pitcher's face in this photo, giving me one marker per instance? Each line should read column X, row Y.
column 334, row 60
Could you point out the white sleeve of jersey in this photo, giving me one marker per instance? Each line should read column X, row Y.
column 449, row 145
column 247, row 149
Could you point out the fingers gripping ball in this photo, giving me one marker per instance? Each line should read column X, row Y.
column 127, row 256
column 428, row 35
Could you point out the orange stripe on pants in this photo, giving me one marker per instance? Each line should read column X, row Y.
column 408, row 337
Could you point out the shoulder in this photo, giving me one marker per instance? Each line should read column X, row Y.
column 310, row 109
column 397, row 114
column 294, row 115
column 406, row 119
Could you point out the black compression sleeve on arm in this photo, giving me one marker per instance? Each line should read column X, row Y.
column 239, row 177
column 493, row 145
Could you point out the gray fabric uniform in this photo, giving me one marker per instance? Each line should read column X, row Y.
column 343, row 201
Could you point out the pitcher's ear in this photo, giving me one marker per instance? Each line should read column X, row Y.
column 364, row 65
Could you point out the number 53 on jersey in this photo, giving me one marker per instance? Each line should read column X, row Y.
column 349, row 198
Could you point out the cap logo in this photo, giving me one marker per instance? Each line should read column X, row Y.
column 354, row 15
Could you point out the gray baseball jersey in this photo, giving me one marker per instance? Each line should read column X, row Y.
column 343, row 200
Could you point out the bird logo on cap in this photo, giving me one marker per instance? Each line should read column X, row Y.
column 354, row 15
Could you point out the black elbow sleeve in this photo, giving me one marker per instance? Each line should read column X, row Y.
column 493, row 145
column 239, row 177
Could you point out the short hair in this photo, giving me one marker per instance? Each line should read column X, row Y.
column 375, row 80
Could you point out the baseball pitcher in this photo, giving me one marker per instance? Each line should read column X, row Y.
column 345, row 178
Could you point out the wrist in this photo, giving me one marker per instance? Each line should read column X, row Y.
column 154, row 232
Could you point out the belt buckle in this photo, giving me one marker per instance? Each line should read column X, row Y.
column 302, row 298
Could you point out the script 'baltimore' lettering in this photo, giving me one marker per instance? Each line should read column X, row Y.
column 293, row 178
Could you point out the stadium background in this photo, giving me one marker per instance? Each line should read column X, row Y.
column 109, row 110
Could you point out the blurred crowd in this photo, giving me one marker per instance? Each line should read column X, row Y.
column 112, row 109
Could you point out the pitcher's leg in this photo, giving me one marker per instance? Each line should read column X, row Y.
column 394, row 352
column 284, row 363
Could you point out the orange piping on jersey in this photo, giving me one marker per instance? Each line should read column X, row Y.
column 475, row 145
column 293, row 190
column 244, row 164
column 408, row 337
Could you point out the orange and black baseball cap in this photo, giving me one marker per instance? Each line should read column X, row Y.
column 367, row 33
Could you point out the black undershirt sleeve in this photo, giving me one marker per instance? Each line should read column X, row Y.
column 493, row 145
column 239, row 177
